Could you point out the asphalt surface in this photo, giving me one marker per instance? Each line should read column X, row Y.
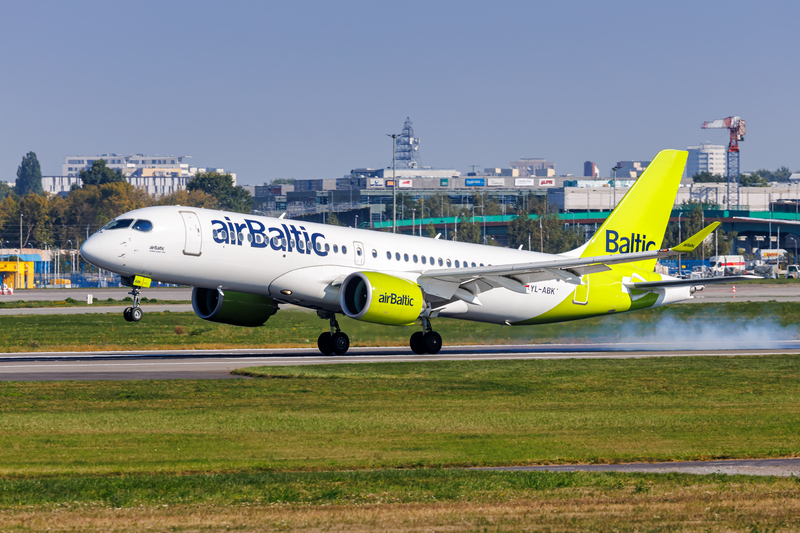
column 217, row 364
column 34, row 295
column 784, row 467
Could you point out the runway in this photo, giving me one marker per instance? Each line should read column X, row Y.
column 217, row 364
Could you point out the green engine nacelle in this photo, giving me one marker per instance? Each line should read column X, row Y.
column 234, row 308
column 381, row 298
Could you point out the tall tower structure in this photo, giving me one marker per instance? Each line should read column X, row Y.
column 736, row 127
column 407, row 147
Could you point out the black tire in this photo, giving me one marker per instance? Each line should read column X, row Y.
column 341, row 343
column 136, row 314
column 433, row 342
column 417, row 343
column 127, row 314
column 325, row 343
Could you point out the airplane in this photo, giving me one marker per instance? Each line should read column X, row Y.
column 243, row 267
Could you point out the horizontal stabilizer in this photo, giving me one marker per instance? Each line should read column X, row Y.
column 694, row 241
column 684, row 282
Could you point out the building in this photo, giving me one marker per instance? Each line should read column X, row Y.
column 707, row 157
column 590, row 170
column 630, row 169
column 158, row 175
column 528, row 167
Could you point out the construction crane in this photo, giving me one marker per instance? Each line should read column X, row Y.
column 736, row 126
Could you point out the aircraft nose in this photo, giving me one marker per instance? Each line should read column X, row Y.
column 94, row 252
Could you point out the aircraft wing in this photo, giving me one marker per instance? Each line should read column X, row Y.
column 466, row 283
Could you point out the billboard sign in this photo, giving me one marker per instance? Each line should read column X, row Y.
column 389, row 183
column 547, row 182
column 405, row 184
column 375, row 182
column 474, row 182
column 524, row 182
column 443, row 182
column 496, row 182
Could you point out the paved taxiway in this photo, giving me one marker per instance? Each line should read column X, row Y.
column 784, row 467
column 217, row 364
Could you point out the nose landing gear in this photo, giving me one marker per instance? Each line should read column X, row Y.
column 427, row 342
column 135, row 313
column 334, row 341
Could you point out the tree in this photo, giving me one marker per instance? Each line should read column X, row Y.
column 780, row 175
column 752, row 180
column 708, row 177
column 29, row 176
column 196, row 198
column 220, row 186
column 100, row 174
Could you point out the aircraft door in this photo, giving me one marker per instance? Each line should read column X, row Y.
column 359, row 249
column 194, row 236
column 581, row 296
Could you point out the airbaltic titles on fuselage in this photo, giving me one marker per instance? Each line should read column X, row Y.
column 287, row 238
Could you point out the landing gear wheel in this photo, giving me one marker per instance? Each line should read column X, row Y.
column 432, row 342
column 340, row 342
column 325, row 343
column 417, row 343
column 127, row 314
column 136, row 315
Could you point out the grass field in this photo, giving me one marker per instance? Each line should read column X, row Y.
column 269, row 453
column 734, row 323
column 69, row 302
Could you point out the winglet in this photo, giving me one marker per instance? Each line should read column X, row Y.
column 694, row 241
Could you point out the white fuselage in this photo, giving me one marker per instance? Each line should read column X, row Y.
column 263, row 255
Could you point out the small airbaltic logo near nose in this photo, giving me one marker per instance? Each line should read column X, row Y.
column 395, row 299
column 626, row 245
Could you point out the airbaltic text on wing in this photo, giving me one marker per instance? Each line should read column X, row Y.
column 287, row 238
column 625, row 245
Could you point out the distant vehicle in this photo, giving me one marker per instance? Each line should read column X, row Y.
column 792, row 271
column 770, row 256
column 727, row 265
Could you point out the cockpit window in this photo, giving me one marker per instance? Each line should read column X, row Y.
column 122, row 223
column 143, row 225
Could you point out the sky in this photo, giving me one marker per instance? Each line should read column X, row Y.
column 309, row 89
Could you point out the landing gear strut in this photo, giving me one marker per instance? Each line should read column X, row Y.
column 333, row 341
column 135, row 313
column 426, row 341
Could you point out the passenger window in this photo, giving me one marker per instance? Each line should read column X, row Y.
column 397, row 256
column 240, row 237
column 473, row 264
column 441, row 262
column 432, row 261
column 374, row 253
column 336, row 248
column 143, row 225
column 457, row 265
column 424, row 260
column 249, row 237
column 221, row 234
column 309, row 246
column 405, row 257
column 388, row 255
column 300, row 245
column 448, row 263
column 481, row 264
column 465, row 264
column 344, row 249
column 327, row 247
column 319, row 247
column 358, row 252
column 415, row 258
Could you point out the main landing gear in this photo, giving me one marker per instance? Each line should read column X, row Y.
column 333, row 341
column 135, row 313
column 427, row 342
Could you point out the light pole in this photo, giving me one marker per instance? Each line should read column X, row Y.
column 20, row 250
column 394, row 180
column 615, row 187
column 413, row 219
